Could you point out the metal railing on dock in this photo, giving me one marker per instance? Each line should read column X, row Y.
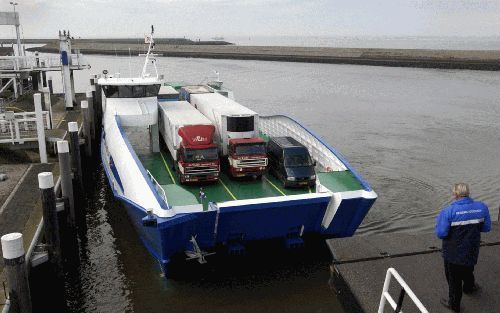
column 13, row 64
column 386, row 297
column 20, row 127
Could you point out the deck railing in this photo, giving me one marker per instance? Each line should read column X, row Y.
column 20, row 127
column 158, row 187
column 386, row 297
column 280, row 125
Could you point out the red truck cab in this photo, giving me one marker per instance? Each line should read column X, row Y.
column 198, row 156
column 247, row 157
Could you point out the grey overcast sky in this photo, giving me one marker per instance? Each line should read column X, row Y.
column 202, row 18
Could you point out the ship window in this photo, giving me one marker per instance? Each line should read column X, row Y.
column 125, row 92
column 136, row 91
column 240, row 123
column 139, row 91
column 152, row 90
column 111, row 91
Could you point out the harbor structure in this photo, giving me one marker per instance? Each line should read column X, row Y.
column 360, row 264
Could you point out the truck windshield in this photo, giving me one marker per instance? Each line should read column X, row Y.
column 197, row 155
column 250, row 149
column 297, row 158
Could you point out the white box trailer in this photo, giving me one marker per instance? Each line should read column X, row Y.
column 231, row 119
column 174, row 115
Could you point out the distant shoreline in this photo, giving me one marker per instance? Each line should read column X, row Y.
column 486, row 60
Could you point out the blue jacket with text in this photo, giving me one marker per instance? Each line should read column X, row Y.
column 460, row 226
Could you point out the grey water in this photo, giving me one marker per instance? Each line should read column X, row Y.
column 411, row 133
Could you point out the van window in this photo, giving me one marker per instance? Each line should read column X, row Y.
column 297, row 157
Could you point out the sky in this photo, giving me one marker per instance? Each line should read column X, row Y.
column 208, row 18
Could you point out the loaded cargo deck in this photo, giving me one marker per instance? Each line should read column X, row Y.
column 161, row 166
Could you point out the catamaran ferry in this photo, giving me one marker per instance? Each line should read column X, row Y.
column 191, row 167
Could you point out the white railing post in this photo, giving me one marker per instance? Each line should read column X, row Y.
column 48, row 106
column 391, row 272
column 18, row 133
column 387, row 282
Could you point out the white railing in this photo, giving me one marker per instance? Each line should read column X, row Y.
column 386, row 297
column 158, row 187
column 16, row 63
column 21, row 127
column 279, row 125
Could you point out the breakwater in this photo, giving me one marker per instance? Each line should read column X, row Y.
column 488, row 60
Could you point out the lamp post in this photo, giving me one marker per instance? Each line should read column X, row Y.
column 17, row 29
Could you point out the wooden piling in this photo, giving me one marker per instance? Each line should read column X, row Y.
column 86, row 127
column 51, row 223
column 90, row 101
column 75, row 152
column 66, row 181
column 16, row 273
column 98, row 103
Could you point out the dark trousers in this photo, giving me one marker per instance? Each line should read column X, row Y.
column 455, row 275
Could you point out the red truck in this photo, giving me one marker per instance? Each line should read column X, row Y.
column 237, row 133
column 189, row 138
column 247, row 157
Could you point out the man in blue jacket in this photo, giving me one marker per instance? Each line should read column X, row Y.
column 460, row 226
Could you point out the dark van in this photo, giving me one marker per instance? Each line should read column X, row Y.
column 290, row 162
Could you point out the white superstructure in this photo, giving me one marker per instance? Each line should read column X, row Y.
column 130, row 104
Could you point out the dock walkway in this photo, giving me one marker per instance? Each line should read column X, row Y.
column 22, row 210
column 360, row 264
column 20, row 202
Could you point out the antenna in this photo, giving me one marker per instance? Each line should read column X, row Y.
column 150, row 40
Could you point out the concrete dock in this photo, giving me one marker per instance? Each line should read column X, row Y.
column 20, row 202
column 360, row 265
column 447, row 59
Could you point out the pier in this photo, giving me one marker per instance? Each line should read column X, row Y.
column 360, row 264
column 420, row 58
column 39, row 201
column 21, row 204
